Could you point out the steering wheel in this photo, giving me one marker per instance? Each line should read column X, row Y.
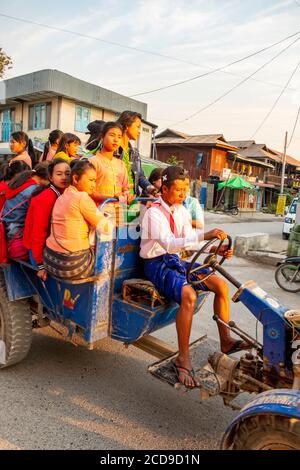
column 210, row 261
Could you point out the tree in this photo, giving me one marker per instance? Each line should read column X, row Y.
column 5, row 62
column 173, row 160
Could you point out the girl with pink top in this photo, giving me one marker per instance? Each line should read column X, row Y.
column 51, row 146
column 68, row 253
column 22, row 147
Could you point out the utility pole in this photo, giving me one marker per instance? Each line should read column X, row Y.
column 283, row 164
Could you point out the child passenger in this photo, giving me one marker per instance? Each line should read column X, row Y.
column 22, row 148
column 51, row 146
column 16, row 205
column 37, row 223
column 68, row 253
column 112, row 177
column 68, row 147
column 9, row 172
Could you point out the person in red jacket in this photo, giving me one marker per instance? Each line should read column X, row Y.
column 9, row 172
column 37, row 224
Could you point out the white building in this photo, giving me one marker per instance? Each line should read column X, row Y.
column 48, row 99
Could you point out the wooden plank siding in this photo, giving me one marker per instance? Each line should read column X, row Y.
column 189, row 156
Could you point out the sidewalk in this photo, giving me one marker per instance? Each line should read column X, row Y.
column 211, row 217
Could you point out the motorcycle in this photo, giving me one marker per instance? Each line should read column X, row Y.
column 287, row 275
column 233, row 210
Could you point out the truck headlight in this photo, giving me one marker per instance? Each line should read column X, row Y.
column 288, row 220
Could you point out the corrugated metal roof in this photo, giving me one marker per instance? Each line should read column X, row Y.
column 207, row 139
column 172, row 133
column 241, row 144
column 53, row 82
column 259, row 151
column 290, row 160
column 249, row 148
column 256, row 162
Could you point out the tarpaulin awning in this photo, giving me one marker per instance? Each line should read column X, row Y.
column 236, row 183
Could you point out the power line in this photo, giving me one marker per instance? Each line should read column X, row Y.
column 145, row 51
column 237, row 85
column 219, row 69
column 295, row 125
column 276, row 101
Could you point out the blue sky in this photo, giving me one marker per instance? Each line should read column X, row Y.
column 206, row 34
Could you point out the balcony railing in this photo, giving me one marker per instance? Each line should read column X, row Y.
column 6, row 129
column 275, row 179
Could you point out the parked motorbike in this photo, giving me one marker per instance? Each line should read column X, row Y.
column 233, row 210
column 287, row 275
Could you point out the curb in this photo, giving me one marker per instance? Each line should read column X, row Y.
column 269, row 258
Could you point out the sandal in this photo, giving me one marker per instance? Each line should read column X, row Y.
column 237, row 347
column 183, row 370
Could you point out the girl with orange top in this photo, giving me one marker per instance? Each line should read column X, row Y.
column 37, row 223
column 22, row 147
column 112, row 176
column 68, row 253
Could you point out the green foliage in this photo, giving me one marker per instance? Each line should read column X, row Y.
column 271, row 208
column 5, row 62
column 289, row 196
column 173, row 160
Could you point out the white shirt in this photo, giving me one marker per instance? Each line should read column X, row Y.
column 157, row 237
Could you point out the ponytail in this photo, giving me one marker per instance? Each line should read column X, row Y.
column 14, row 169
column 20, row 179
column 30, row 150
column 53, row 138
column 45, row 151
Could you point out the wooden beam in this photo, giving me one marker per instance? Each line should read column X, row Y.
column 155, row 347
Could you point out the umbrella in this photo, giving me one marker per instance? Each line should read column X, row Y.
column 236, row 183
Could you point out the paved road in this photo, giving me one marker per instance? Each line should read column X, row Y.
column 63, row 397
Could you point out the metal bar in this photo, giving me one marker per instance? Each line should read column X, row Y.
column 228, row 276
column 243, row 376
column 239, row 332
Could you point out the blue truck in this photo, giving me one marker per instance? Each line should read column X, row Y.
column 117, row 302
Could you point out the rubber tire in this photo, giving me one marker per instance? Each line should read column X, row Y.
column 268, row 432
column 282, row 266
column 15, row 326
column 285, row 236
column 234, row 211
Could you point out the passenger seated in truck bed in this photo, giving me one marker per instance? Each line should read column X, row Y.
column 68, row 253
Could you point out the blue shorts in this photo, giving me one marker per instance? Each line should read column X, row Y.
column 168, row 273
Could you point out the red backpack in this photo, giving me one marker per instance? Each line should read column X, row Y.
column 3, row 241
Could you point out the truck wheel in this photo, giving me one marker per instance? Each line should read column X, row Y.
column 15, row 327
column 268, row 432
column 285, row 236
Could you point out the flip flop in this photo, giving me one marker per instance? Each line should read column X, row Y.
column 183, row 370
column 237, row 347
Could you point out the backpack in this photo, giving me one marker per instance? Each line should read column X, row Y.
column 3, row 241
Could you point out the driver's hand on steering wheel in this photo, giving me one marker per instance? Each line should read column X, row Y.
column 215, row 233
column 225, row 252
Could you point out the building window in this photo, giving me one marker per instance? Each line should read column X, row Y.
column 82, row 118
column 39, row 116
column 145, row 129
